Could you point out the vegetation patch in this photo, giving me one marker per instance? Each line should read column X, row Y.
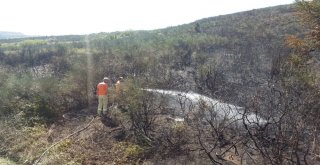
column 127, row 153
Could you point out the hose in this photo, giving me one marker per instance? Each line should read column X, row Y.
column 40, row 157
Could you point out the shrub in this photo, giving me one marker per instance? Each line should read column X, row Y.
column 127, row 153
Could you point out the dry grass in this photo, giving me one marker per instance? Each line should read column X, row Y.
column 97, row 144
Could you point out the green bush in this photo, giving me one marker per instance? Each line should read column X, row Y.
column 127, row 153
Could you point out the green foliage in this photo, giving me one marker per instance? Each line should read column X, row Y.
column 26, row 43
column 296, row 60
column 63, row 146
column 142, row 108
column 23, row 94
column 6, row 161
column 133, row 151
column 22, row 144
column 127, row 153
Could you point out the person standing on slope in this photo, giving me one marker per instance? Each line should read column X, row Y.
column 119, row 86
column 102, row 91
column 119, row 92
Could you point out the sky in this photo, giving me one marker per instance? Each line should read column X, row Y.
column 63, row 17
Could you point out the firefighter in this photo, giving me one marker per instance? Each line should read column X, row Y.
column 119, row 92
column 118, row 85
column 102, row 93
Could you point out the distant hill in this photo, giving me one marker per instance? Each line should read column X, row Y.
column 9, row 35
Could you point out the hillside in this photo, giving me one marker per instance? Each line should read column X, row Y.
column 251, row 60
column 9, row 35
column 243, row 47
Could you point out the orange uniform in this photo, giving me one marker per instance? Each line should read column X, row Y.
column 102, row 89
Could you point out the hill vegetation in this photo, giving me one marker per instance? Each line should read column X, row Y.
column 9, row 35
column 262, row 60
